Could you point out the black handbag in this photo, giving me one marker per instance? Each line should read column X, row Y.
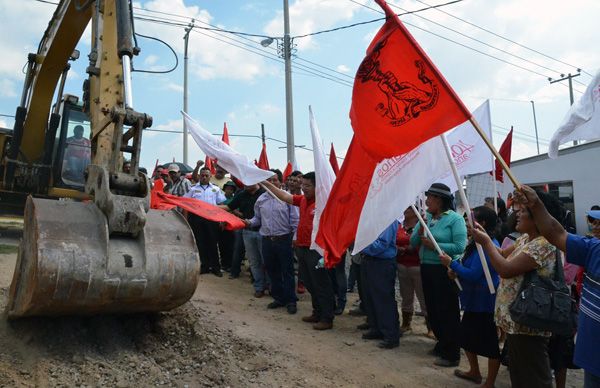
column 545, row 303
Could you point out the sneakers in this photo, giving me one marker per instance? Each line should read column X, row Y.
column 291, row 308
column 310, row 319
column 363, row 326
column 274, row 305
column 372, row 335
column 259, row 294
column 217, row 273
column 323, row 325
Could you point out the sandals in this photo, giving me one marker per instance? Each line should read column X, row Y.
column 464, row 375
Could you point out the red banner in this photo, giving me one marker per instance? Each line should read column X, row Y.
column 163, row 201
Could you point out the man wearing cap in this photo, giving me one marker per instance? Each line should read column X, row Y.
column 277, row 221
column 243, row 206
column 441, row 296
column 206, row 232
column 179, row 185
column 583, row 251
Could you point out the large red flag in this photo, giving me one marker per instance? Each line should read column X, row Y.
column 288, row 170
column 263, row 161
column 225, row 137
column 162, row 201
column 333, row 161
column 504, row 151
column 400, row 99
column 339, row 220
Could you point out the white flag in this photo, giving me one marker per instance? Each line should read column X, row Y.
column 324, row 178
column 470, row 153
column 395, row 184
column 582, row 121
column 237, row 164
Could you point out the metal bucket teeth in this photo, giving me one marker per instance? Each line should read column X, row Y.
column 68, row 264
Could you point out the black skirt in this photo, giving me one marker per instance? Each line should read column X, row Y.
column 478, row 334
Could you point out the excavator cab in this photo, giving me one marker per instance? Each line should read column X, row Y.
column 91, row 244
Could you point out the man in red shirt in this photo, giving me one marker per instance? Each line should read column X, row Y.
column 316, row 278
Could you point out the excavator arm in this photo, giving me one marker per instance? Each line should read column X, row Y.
column 113, row 253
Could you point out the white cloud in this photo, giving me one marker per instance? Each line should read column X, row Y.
column 308, row 16
column 209, row 58
column 175, row 87
column 343, row 68
column 151, row 60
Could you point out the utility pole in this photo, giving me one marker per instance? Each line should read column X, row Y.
column 570, row 78
column 262, row 133
column 186, row 39
column 537, row 140
column 289, row 106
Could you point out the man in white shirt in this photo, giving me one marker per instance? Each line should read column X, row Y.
column 206, row 232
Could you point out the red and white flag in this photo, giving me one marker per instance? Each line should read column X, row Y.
column 399, row 101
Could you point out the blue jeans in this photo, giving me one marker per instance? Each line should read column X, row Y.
column 279, row 262
column 252, row 242
column 590, row 380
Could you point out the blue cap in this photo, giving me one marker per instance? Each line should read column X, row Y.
column 594, row 214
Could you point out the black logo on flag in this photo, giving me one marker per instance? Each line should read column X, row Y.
column 405, row 101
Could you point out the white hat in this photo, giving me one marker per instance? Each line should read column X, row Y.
column 173, row 167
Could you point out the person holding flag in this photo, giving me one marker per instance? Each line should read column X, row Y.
column 441, row 296
column 315, row 276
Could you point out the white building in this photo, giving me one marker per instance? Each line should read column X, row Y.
column 574, row 177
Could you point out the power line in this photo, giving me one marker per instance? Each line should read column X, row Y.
column 507, row 39
column 464, row 45
column 375, row 20
column 482, row 42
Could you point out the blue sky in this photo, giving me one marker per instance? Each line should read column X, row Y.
column 244, row 89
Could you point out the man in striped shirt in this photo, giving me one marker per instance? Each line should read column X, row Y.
column 179, row 185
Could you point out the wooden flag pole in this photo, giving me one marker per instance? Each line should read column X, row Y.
column 428, row 233
column 496, row 153
column 465, row 202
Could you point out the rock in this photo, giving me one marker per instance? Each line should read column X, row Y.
column 349, row 343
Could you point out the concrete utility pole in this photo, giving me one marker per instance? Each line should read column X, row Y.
column 262, row 133
column 186, row 39
column 289, row 106
column 570, row 78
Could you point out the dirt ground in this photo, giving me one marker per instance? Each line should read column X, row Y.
column 222, row 337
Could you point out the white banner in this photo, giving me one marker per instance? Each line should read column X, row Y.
column 235, row 163
column 582, row 121
column 470, row 153
column 395, row 184
column 324, row 177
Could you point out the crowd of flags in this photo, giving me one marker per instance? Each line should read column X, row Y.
column 404, row 116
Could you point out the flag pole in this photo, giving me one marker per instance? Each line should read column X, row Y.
column 465, row 202
column 495, row 152
column 428, row 233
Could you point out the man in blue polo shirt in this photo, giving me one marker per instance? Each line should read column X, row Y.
column 583, row 251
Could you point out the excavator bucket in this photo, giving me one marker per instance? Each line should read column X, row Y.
column 68, row 263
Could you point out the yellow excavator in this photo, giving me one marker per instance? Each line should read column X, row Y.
column 91, row 244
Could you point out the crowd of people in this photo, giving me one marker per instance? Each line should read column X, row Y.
column 526, row 235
